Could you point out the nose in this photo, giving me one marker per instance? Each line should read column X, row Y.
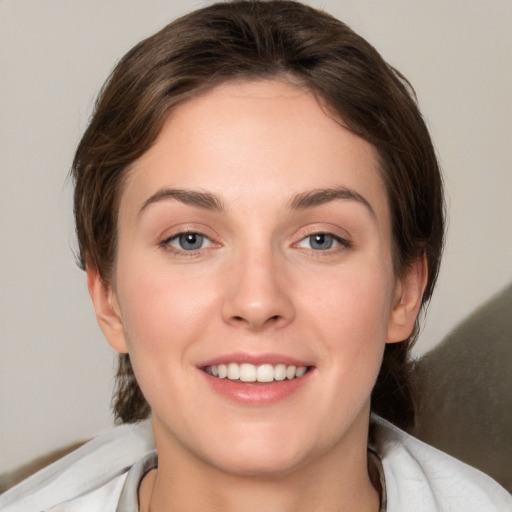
column 257, row 295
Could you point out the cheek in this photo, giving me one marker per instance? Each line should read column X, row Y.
column 162, row 312
column 163, row 318
column 356, row 300
column 350, row 314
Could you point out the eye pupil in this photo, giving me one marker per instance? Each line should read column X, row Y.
column 321, row 241
column 190, row 241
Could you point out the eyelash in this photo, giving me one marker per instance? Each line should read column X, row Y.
column 166, row 244
column 343, row 243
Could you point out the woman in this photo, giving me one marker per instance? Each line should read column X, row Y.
column 259, row 211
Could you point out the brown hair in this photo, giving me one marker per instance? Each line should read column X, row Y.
column 263, row 39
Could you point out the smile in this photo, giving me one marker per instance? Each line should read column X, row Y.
column 247, row 372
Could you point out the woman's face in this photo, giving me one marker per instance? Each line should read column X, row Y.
column 254, row 239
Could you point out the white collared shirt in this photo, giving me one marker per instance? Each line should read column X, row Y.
column 104, row 474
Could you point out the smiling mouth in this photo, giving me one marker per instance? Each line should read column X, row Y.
column 247, row 372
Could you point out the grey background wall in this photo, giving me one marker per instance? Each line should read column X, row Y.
column 55, row 368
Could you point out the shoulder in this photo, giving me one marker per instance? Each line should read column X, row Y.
column 90, row 478
column 420, row 478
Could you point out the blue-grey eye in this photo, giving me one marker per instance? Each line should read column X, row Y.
column 321, row 241
column 190, row 241
column 186, row 242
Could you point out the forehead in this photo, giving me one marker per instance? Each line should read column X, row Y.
column 238, row 138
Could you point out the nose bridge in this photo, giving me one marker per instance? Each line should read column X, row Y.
column 256, row 295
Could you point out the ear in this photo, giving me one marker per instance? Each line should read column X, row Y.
column 107, row 310
column 407, row 300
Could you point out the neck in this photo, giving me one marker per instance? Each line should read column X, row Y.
column 255, row 494
column 336, row 481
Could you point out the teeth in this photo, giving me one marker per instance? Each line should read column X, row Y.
column 290, row 372
column 265, row 373
column 222, row 371
column 246, row 372
column 233, row 371
column 280, row 372
column 300, row 371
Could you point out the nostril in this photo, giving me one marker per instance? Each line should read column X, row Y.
column 238, row 319
column 272, row 319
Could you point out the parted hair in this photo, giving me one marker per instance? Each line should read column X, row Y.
column 276, row 39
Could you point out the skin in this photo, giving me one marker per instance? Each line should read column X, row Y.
column 256, row 286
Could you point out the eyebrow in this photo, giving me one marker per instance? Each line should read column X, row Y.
column 302, row 201
column 321, row 196
column 204, row 200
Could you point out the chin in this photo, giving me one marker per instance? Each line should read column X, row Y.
column 259, row 465
column 261, row 454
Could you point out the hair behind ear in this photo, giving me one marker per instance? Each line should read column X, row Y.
column 128, row 403
column 393, row 396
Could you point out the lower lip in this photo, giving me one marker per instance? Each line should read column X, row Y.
column 256, row 393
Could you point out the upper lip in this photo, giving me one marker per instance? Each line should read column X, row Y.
column 255, row 359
